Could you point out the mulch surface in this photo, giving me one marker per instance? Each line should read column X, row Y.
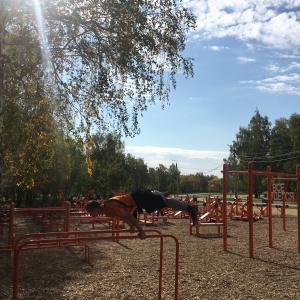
column 129, row 270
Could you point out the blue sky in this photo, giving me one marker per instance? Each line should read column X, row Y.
column 246, row 57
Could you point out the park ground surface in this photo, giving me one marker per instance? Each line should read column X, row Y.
column 129, row 270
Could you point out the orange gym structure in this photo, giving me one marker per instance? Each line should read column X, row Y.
column 78, row 238
column 270, row 176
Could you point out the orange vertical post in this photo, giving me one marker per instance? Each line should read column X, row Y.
column 250, row 208
column 270, row 207
column 298, row 206
column 160, row 268
column 11, row 225
column 237, row 205
column 224, row 207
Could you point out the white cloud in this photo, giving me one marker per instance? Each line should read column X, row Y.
column 290, row 55
column 287, row 68
column 218, row 48
column 282, row 31
column 291, row 77
column 244, row 59
column 273, row 68
column 289, row 84
column 189, row 161
column 279, row 87
column 276, row 24
column 175, row 151
column 195, row 98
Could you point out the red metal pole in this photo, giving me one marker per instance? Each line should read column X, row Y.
column 16, row 272
column 176, row 296
column 160, row 268
column 250, row 208
column 298, row 206
column 11, row 225
column 224, row 207
column 197, row 228
column 270, row 208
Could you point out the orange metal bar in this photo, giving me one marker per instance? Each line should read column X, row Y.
column 270, row 208
column 60, row 240
column 224, row 207
column 160, row 268
column 250, row 208
column 11, row 225
column 285, row 179
column 42, row 209
column 237, row 205
column 262, row 173
column 298, row 206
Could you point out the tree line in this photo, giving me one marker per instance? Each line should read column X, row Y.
column 39, row 166
column 40, row 159
column 43, row 160
column 264, row 145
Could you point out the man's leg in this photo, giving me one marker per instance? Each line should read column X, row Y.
column 180, row 205
column 175, row 204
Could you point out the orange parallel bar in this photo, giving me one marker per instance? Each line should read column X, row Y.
column 66, row 225
column 81, row 236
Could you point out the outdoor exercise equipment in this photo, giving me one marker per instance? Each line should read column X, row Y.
column 79, row 238
column 67, row 215
column 269, row 174
column 81, row 203
column 262, row 208
column 150, row 219
column 242, row 212
column 212, row 210
column 212, row 215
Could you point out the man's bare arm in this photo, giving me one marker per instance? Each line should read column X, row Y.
column 133, row 222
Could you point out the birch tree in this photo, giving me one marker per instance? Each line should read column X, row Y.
column 98, row 63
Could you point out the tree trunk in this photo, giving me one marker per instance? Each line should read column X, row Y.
column 29, row 198
column 20, row 195
column 44, row 198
